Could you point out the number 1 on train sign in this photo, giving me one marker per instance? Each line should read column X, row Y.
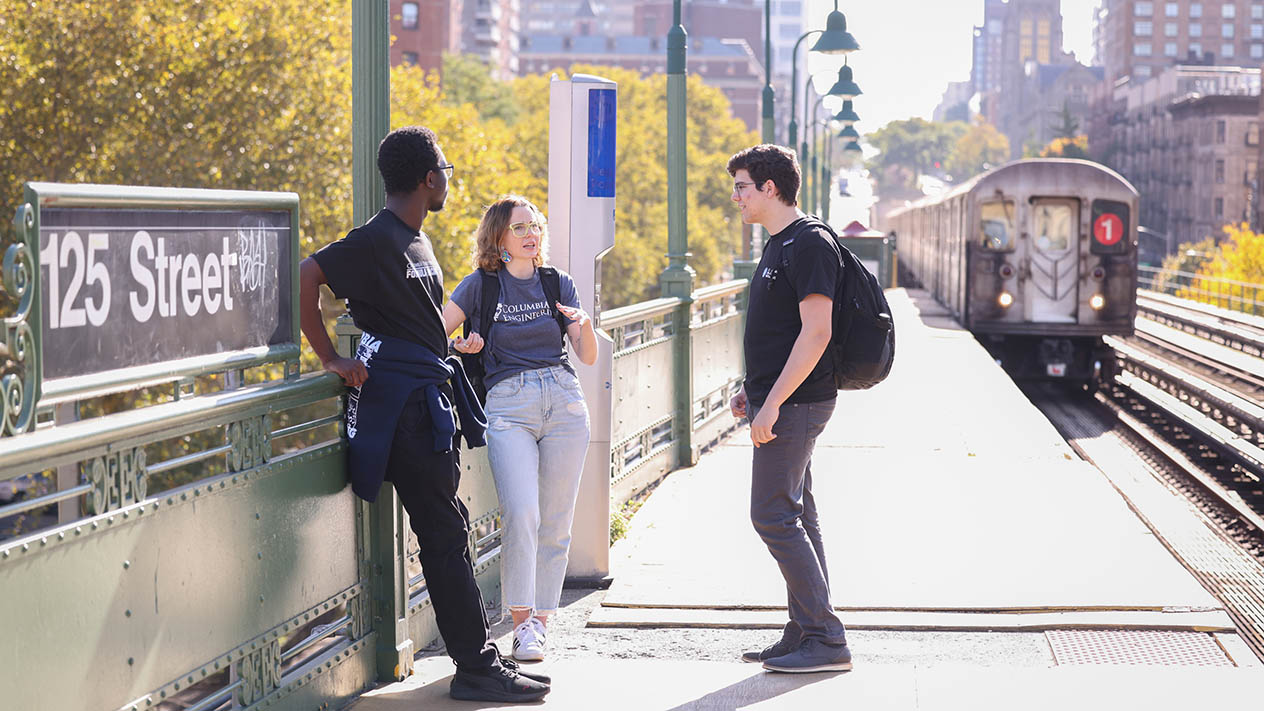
column 1108, row 229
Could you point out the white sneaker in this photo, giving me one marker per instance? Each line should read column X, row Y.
column 528, row 644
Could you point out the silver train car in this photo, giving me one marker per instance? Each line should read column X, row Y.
column 1036, row 258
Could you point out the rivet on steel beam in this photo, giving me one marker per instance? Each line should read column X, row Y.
column 184, row 496
column 127, row 613
column 260, row 554
column 61, row 536
column 127, row 564
column 260, row 598
column 130, row 662
column 26, row 547
column 257, row 517
column 190, row 678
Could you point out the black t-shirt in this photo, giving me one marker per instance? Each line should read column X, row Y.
column 772, row 319
column 391, row 280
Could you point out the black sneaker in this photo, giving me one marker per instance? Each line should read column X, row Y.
column 812, row 656
column 498, row 683
column 776, row 649
column 511, row 664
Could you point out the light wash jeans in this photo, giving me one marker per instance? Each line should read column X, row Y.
column 537, row 435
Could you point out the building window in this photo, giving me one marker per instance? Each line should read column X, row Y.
column 408, row 16
column 1144, row 28
column 1220, row 171
column 1195, row 30
column 1257, row 31
column 1141, row 49
column 1228, row 11
column 1220, row 131
column 411, row 59
column 1226, row 50
column 1143, row 9
column 1226, row 30
column 1257, row 51
column 1196, row 49
column 1219, row 211
column 1195, row 9
column 1169, row 29
column 1141, row 70
column 1257, row 12
column 1169, row 49
column 1171, row 9
column 1253, row 133
column 792, row 8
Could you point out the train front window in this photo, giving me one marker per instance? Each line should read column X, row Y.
column 996, row 225
column 1054, row 225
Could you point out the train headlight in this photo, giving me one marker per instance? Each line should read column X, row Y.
column 1098, row 302
column 1006, row 299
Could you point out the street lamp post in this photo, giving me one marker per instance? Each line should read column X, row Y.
column 835, row 39
column 768, row 130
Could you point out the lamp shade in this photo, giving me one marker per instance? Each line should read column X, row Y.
column 852, row 147
column 849, row 133
column 835, row 39
column 848, row 115
column 845, row 87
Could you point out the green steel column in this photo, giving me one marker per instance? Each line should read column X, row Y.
column 825, row 173
column 370, row 105
column 677, row 279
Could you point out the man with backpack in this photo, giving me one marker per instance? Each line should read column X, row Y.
column 788, row 396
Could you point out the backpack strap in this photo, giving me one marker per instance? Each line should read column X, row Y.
column 808, row 223
column 552, row 283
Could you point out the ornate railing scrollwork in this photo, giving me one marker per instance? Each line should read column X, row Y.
column 118, row 480
column 260, row 673
column 19, row 384
column 251, row 441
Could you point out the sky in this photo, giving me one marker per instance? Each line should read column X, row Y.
column 911, row 49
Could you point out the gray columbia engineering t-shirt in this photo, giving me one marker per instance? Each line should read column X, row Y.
column 524, row 335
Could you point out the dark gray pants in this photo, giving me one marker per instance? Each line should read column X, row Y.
column 783, row 512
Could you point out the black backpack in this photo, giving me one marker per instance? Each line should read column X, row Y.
column 862, row 341
column 489, row 297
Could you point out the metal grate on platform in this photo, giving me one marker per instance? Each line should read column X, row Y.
column 1136, row 648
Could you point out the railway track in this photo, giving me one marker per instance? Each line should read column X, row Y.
column 1179, row 432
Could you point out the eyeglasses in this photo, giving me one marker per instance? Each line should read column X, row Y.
column 520, row 229
column 739, row 186
column 448, row 169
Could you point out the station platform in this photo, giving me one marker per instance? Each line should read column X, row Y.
column 976, row 560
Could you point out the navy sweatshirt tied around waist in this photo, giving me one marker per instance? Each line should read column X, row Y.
column 397, row 368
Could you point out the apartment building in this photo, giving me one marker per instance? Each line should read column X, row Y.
column 1138, row 38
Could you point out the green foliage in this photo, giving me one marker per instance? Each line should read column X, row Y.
column 912, row 148
column 980, row 148
column 256, row 95
column 206, row 94
column 467, row 79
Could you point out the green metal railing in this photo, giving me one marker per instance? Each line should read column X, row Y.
column 645, row 443
column 1224, row 293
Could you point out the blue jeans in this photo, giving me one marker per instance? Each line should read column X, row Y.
column 537, row 436
column 783, row 512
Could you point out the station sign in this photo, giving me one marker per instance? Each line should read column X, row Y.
column 141, row 283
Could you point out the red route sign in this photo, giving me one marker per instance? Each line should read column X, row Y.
column 1108, row 229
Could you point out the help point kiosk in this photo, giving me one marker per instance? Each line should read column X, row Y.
column 582, row 120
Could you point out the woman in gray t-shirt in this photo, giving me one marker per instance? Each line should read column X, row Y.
column 537, row 421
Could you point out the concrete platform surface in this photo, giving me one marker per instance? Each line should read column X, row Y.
column 650, row 685
column 942, row 489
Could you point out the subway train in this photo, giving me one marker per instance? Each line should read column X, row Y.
column 1036, row 258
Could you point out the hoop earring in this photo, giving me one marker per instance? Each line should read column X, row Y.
column 505, row 256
